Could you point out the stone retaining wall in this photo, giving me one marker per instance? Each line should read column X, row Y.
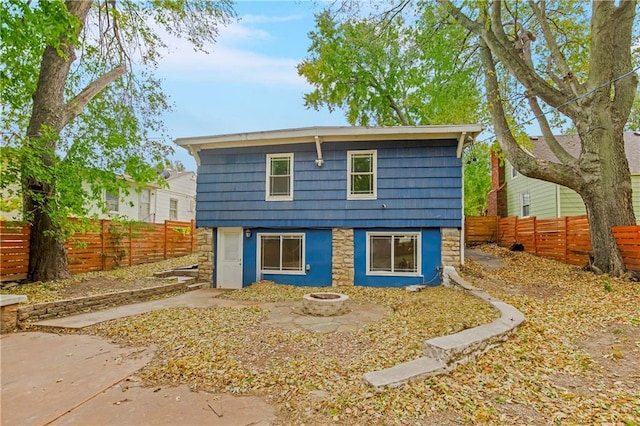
column 63, row 308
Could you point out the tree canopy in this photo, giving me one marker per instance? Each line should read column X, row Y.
column 81, row 105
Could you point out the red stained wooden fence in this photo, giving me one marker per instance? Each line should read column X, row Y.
column 104, row 247
column 564, row 239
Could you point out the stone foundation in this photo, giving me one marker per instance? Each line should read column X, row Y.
column 450, row 246
column 342, row 268
column 205, row 255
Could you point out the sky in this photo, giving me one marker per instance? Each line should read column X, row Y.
column 248, row 81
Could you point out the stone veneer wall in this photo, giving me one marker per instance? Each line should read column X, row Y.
column 205, row 255
column 450, row 246
column 342, row 268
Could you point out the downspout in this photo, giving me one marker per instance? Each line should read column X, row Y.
column 319, row 160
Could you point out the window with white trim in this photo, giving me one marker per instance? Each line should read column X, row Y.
column 393, row 253
column 173, row 208
column 514, row 173
column 361, row 175
column 525, row 204
column 279, row 177
column 281, row 253
column 112, row 201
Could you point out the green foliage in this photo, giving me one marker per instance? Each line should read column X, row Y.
column 391, row 72
column 119, row 137
column 477, row 178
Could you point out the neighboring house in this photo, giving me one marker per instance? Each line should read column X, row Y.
column 326, row 206
column 151, row 203
column 513, row 194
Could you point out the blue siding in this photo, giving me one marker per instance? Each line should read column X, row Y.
column 431, row 261
column 420, row 183
column 317, row 255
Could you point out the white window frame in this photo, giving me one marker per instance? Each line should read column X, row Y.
column 514, row 172
column 268, row 196
column 173, row 216
column 281, row 271
column 392, row 235
column 109, row 203
column 374, row 171
column 524, row 195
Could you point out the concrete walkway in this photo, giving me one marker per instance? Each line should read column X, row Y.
column 50, row 379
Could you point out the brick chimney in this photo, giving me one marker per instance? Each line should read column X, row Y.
column 497, row 197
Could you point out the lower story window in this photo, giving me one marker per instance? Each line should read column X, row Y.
column 393, row 253
column 281, row 253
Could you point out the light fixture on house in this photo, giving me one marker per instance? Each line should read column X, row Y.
column 247, row 233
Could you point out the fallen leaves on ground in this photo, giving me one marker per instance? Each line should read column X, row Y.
column 99, row 282
column 312, row 377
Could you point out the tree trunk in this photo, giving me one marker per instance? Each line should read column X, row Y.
column 47, row 256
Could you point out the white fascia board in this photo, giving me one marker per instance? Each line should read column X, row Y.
column 332, row 134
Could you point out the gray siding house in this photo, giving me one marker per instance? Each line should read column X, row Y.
column 325, row 206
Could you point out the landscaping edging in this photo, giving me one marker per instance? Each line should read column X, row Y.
column 78, row 305
column 443, row 353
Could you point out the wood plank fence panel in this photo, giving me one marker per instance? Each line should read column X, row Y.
column 480, row 229
column 565, row 239
column 14, row 251
column 628, row 239
column 104, row 246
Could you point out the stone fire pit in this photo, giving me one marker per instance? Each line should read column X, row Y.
column 325, row 304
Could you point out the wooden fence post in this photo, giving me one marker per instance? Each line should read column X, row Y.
column 535, row 233
column 566, row 239
column 166, row 241
column 194, row 237
column 103, row 237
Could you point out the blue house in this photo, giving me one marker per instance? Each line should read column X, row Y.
column 330, row 206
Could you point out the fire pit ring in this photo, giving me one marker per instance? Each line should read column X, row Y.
column 325, row 304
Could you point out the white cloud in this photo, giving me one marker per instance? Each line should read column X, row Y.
column 264, row 19
column 234, row 58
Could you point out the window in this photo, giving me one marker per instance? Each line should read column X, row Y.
column 514, row 173
column 145, row 204
column 525, row 203
column 173, row 209
column 112, row 201
column 361, row 171
column 281, row 253
column 279, row 177
column 389, row 253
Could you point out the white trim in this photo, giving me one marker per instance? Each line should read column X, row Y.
column 269, row 197
column 351, row 134
column 522, row 204
column 374, row 170
column 417, row 235
column 262, row 272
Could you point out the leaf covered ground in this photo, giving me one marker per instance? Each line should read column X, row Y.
column 100, row 282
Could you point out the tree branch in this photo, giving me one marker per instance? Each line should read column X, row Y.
column 523, row 161
column 568, row 77
column 549, row 138
column 75, row 106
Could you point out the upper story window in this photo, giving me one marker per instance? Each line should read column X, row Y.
column 112, row 201
column 281, row 253
column 173, row 209
column 525, row 204
column 393, row 254
column 362, row 175
column 514, row 173
column 279, row 177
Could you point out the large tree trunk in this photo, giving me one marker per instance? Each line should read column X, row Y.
column 47, row 256
column 606, row 192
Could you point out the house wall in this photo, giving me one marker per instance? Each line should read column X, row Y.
column 546, row 196
column 181, row 188
column 418, row 186
column 543, row 196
